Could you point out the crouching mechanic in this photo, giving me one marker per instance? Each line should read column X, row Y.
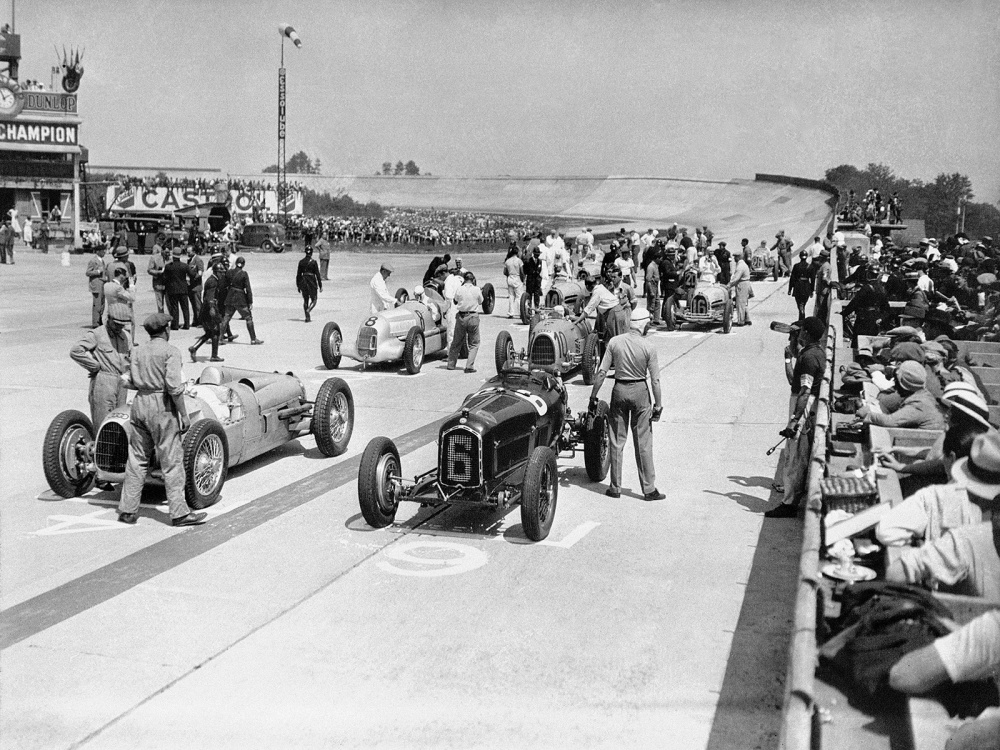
column 158, row 418
column 633, row 360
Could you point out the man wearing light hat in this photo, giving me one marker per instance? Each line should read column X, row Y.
column 105, row 353
column 158, row 419
column 917, row 409
column 380, row 297
column 467, row 300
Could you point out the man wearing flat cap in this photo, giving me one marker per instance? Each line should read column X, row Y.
column 158, row 418
column 105, row 353
column 239, row 299
column 918, row 408
column 380, row 297
column 175, row 279
column 467, row 301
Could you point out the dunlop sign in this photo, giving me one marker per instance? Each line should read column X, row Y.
column 23, row 132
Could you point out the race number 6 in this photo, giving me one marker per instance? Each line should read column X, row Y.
column 431, row 559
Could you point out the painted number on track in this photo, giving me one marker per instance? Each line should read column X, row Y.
column 431, row 559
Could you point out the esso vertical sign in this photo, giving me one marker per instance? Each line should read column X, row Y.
column 281, row 102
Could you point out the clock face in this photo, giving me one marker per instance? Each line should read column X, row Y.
column 10, row 100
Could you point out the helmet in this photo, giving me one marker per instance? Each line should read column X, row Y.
column 211, row 375
column 418, row 290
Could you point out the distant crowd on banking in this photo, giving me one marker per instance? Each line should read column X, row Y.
column 201, row 184
column 873, row 209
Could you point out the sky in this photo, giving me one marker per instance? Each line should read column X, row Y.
column 711, row 89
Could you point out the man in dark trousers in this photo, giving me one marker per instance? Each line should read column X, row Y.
column 800, row 283
column 308, row 282
column 322, row 248
column 158, row 419
column 533, row 277
column 634, row 361
column 104, row 353
column 239, row 299
column 175, row 279
column 196, row 270
column 468, row 299
column 211, row 315
column 95, row 280
column 725, row 262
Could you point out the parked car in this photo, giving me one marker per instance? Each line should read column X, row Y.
column 498, row 449
column 411, row 331
column 267, row 237
column 709, row 304
column 235, row 415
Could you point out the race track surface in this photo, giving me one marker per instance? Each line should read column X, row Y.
column 287, row 622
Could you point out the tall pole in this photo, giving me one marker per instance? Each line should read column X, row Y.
column 282, row 174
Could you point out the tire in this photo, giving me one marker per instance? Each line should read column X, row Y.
column 525, row 309
column 65, row 454
column 539, row 493
column 597, row 444
column 279, row 248
column 413, row 350
column 333, row 417
column 402, row 295
column 591, row 357
column 329, row 346
column 727, row 316
column 489, row 298
column 379, row 462
column 267, row 246
column 503, row 350
column 206, row 463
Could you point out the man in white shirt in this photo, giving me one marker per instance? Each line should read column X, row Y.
column 451, row 285
column 548, row 262
column 815, row 249
column 626, row 266
column 380, row 297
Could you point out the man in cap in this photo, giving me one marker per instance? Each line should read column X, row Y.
column 533, row 277
column 823, row 276
column 175, row 279
column 95, row 281
column 196, row 270
column 452, row 283
column 380, row 297
column 157, row 262
column 807, row 377
column 725, row 260
column 104, row 353
column 120, row 260
column 322, row 248
column 239, row 299
column 309, row 282
column 158, row 418
column 634, row 361
column 918, row 408
column 468, row 298
column 800, row 283
column 211, row 314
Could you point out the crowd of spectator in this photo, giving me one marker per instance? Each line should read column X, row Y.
column 872, row 209
column 201, row 184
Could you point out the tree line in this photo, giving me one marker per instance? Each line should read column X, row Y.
column 937, row 203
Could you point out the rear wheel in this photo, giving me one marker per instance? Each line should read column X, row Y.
column 597, row 444
column 402, row 295
column 206, row 462
column 591, row 357
column 267, row 246
column 727, row 316
column 503, row 350
column 333, row 417
column 66, row 454
column 413, row 350
column 380, row 465
column 329, row 346
column 526, row 309
column 539, row 493
column 489, row 298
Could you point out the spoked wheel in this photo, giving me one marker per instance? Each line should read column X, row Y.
column 539, row 493
column 377, row 495
column 591, row 357
column 66, row 454
column 527, row 309
column 503, row 350
column 597, row 444
column 333, row 417
column 413, row 350
column 329, row 345
column 206, row 462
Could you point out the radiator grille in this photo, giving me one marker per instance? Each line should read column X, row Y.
column 700, row 306
column 367, row 341
column 111, row 451
column 543, row 351
column 460, row 458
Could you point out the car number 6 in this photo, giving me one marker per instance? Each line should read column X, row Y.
column 432, row 559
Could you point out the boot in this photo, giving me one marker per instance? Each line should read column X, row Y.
column 253, row 335
column 215, row 350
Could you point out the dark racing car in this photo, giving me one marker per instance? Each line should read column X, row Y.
column 499, row 449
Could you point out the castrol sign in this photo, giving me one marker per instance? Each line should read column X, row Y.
column 138, row 199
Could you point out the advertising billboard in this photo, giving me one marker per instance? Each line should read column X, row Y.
column 165, row 200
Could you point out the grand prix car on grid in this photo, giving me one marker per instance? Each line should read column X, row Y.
column 235, row 415
column 572, row 294
column 555, row 344
column 761, row 266
column 709, row 304
column 411, row 331
column 498, row 449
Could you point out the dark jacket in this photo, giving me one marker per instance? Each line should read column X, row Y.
column 800, row 283
column 175, row 277
column 239, row 293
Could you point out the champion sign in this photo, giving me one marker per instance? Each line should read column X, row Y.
column 166, row 200
column 54, row 135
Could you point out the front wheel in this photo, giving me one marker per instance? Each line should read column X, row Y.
column 413, row 350
column 267, row 246
column 380, row 467
column 206, row 462
column 526, row 309
column 727, row 316
column 329, row 346
column 539, row 493
column 591, row 357
column 489, row 298
column 597, row 444
column 66, row 454
column 333, row 417
column 503, row 350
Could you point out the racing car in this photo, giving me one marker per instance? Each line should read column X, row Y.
column 498, row 449
column 235, row 415
column 709, row 304
column 555, row 344
column 411, row 331
column 570, row 293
